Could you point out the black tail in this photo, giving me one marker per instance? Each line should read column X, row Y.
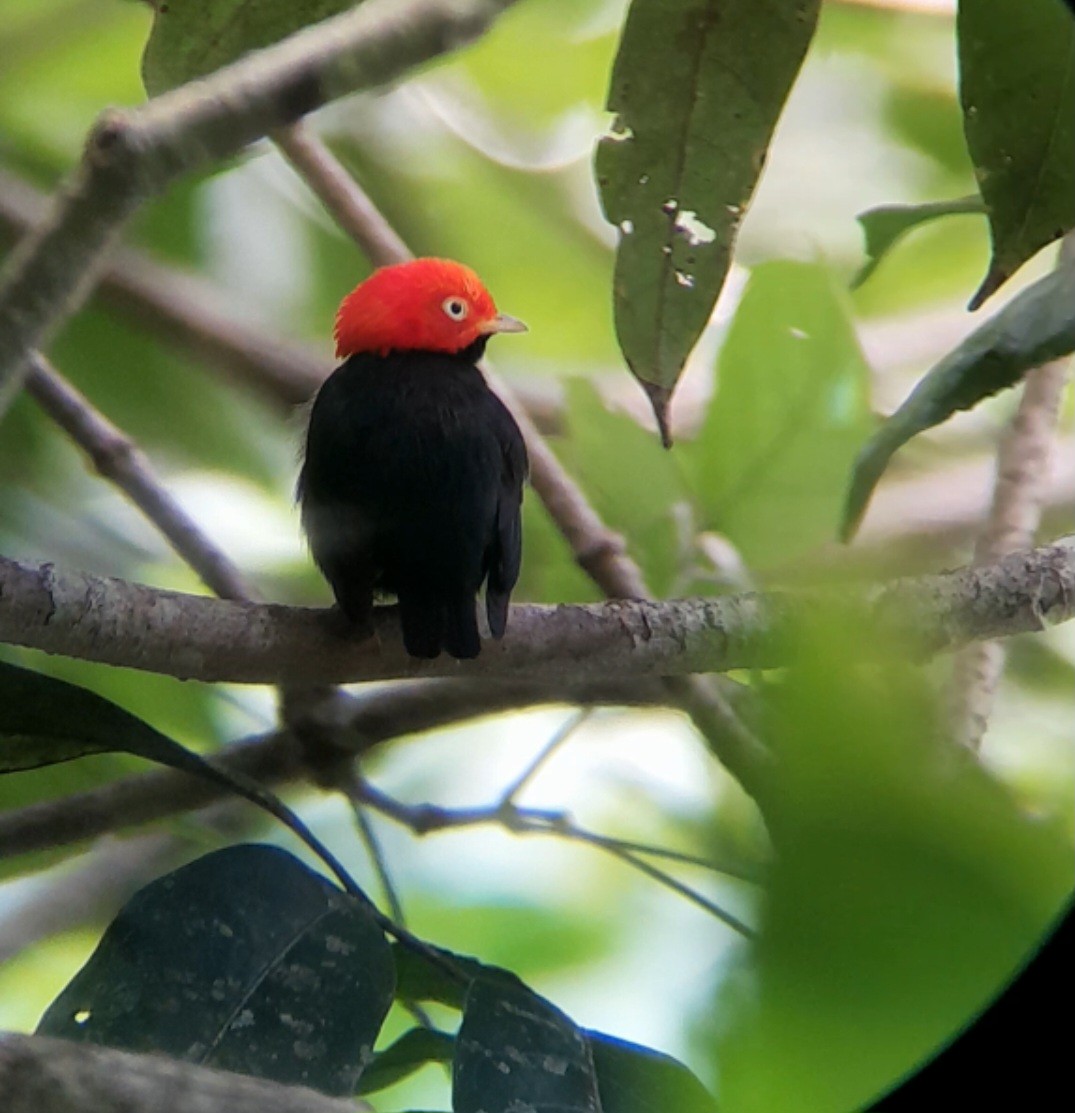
column 430, row 625
column 496, row 608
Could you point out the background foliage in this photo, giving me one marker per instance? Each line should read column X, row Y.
column 905, row 888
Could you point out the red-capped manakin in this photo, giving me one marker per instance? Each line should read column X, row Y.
column 413, row 472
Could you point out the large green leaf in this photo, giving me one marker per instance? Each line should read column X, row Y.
column 191, row 38
column 517, row 1051
column 44, row 721
column 1017, row 87
column 635, row 1079
column 244, row 960
column 697, row 88
column 633, row 484
column 906, row 888
column 884, row 225
column 790, row 410
column 1036, row 326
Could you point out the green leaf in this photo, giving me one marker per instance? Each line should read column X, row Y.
column 1036, row 326
column 244, row 960
column 635, row 1079
column 697, row 88
column 1017, row 88
column 633, row 484
column 907, row 887
column 412, row 1051
column 44, row 720
column 517, row 1051
column 886, row 224
column 790, row 410
column 419, row 979
column 191, row 38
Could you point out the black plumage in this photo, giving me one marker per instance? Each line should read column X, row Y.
column 411, row 485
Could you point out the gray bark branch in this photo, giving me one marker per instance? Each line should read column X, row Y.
column 195, row 638
column 42, row 1075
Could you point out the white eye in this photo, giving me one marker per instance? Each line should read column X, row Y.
column 456, row 308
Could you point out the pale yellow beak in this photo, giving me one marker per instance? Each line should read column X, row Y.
column 503, row 323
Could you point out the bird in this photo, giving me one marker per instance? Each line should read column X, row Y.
column 413, row 470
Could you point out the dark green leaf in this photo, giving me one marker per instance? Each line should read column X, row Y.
column 790, row 410
column 886, row 224
column 244, row 960
column 517, row 1051
column 419, row 979
column 697, row 88
column 44, row 720
column 635, row 1079
column 1017, row 88
column 412, row 1051
column 191, row 38
column 1036, row 326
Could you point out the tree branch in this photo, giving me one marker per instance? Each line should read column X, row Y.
column 118, row 459
column 133, row 154
column 1014, row 517
column 195, row 638
column 357, row 727
column 38, row 1073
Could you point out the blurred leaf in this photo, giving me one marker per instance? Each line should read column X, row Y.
column 524, row 934
column 516, row 1051
column 632, row 482
column 191, row 38
column 697, row 88
column 1017, row 88
column 244, row 960
column 790, row 410
column 925, row 115
column 44, row 720
column 412, row 1051
column 906, row 888
column 884, row 225
column 1034, row 327
column 635, row 1079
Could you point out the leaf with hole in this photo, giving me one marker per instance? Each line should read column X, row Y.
column 883, row 226
column 1017, row 89
column 191, row 38
column 1036, row 326
column 517, row 1051
column 244, row 960
column 697, row 88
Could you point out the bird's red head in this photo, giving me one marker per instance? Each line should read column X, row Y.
column 431, row 305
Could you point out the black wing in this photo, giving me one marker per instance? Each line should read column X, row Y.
column 505, row 552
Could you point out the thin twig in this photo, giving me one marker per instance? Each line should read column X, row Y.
column 514, row 788
column 118, row 459
column 424, row 819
